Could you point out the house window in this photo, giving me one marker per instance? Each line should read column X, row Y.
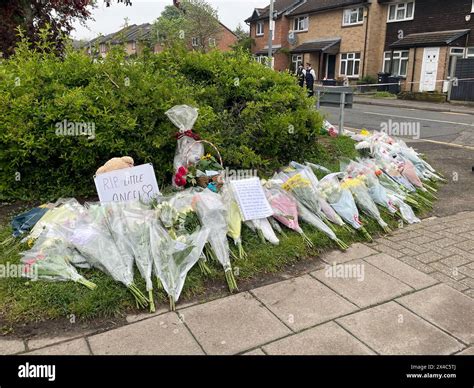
column 212, row 42
column 387, row 58
column 353, row 16
column 263, row 59
column 300, row 23
column 134, row 45
column 350, row 64
column 259, row 29
column 458, row 52
column 102, row 47
column 472, row 7
column 470, row 52
column 195, row 42
column 399, row 65
column 401, row 11
column 296, row 60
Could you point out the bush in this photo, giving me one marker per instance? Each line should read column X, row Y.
column 258, row 118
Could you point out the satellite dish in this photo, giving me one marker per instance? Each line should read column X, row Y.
column 292, row 38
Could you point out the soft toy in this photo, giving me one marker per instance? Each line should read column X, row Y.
column 115, row 164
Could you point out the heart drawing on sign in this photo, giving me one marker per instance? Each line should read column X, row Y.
column 147, row 190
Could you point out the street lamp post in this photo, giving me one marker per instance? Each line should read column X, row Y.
column 270, row 34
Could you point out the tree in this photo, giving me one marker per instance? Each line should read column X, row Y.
column 194, row 23
column 33, row 15
column 244, row 42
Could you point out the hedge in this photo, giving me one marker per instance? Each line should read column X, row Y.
column 259, row 119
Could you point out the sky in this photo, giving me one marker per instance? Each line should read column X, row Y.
column 107, row 20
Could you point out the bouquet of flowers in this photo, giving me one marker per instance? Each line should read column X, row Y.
column 364, row 201
column 184, row 117
column 326, row 209
column 234, row 220
column 173, row 258
column 205, row 173
column 377, row 192
column 212, row 214
column 49, row 259
column 308, row 202
column 137, row 237
column 342, row 201
column 91, row 237
column 285, row 209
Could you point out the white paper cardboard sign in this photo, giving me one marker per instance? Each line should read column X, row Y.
column 128, row 184
column 251, row 199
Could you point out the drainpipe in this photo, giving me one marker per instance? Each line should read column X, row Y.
column 413, row 71
column 365, row 42
column 270, row 34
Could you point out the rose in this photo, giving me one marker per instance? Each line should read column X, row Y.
column 179, row 180
column 182, row 171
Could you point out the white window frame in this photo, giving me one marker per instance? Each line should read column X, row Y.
column 134, row 44
column 102, row 48
column 403, row 6
column 263, row 59
column 460, row 53
column 212, row 42
column 350, row 58
column 296, row 59
column 348, row 12
column 470, row 51
column 300, row 23
column 260, row 28
column 472, row 7
column 195, row 41
column 401, row 56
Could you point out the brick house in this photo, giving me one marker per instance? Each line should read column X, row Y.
column 223, row 41
column 423, row 36
column 340, row 38
column 259, row 28
column 135, row 36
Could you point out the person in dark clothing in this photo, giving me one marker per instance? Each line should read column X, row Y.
column 310, row 78
column 300, row 74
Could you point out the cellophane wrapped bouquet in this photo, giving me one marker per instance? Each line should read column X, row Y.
column 363, row 200
column 212, row 214
column 234, row 219
column 326, row 209
column 92, row 238
column 377, row 192
column 342, row 201
column 51, row 259
column 309, row 207
column 187, row 152
column 174, row 257
column 285, row 209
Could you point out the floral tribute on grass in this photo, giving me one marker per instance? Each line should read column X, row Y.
column 165, row 238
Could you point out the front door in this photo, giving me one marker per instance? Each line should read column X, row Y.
column 429, row 69
column 330, row 66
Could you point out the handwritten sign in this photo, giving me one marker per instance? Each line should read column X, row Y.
column 128, row 184
column 251, row 199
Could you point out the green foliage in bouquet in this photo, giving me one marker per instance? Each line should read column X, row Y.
column 258, row 118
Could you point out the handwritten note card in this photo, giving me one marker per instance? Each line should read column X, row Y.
column 128, row 184
column 251, row 199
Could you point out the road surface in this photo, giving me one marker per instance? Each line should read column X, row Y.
column 457, row 128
